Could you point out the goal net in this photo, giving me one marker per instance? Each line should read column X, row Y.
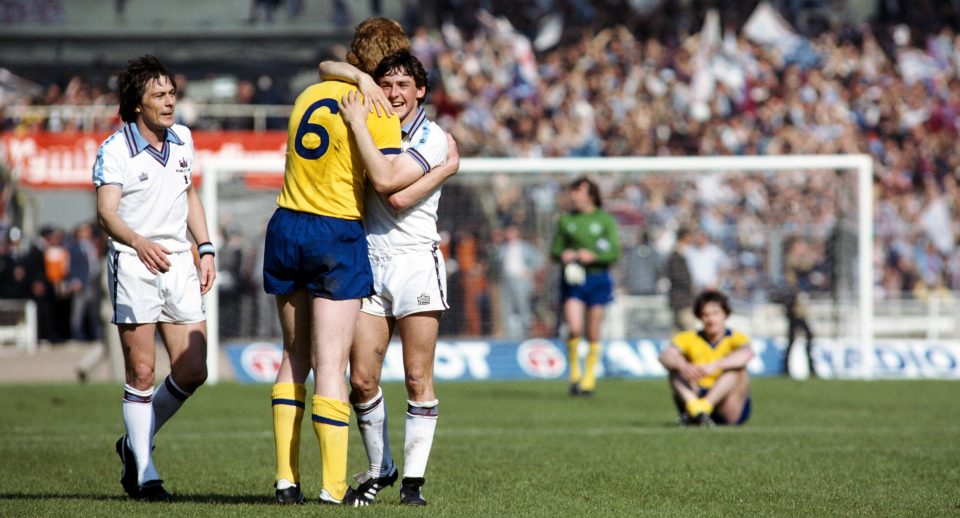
column 753, row 209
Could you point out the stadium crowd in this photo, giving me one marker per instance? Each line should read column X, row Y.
column 892, row 91
column 648, row 79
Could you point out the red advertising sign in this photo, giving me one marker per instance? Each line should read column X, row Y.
column 65, row 160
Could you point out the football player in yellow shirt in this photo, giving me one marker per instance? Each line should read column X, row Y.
column 708, row 368
column 316, row 265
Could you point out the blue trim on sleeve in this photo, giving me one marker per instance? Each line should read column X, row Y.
column 98, row 168
column 98, row 178
column 419, row 159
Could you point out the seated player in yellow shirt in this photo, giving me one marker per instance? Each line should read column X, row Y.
column 708, row 368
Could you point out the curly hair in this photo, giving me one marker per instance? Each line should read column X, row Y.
column 132, row 83
column 374, row 39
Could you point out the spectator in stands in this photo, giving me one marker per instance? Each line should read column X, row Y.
column 231, row 280
column 46, row 12
column 800, row 264
column 246, row 93
column 263, row 10
column 263, row 306
column 680, row 293
column 633, row 73
column 14, row 282
column 84, row 284
column 56, row 259
column 518, row 262
column 707, row 262
column 268, row 93
column 707, row 369
column 186, row 106
column 340, row 14
column 41, row 290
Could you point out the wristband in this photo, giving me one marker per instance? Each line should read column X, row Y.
column 206, row 248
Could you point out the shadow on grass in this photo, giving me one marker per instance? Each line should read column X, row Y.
column 177, row 498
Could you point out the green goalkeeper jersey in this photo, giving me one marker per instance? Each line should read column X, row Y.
column 595, row 231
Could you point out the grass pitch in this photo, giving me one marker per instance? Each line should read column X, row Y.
column 814, row 448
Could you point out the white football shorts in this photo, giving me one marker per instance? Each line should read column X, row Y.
column 406, row 281
column 140, row 297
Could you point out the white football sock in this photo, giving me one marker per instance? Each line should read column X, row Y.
column 138, row 418
column 372, row 421
column 418, row 436
column 167, row 399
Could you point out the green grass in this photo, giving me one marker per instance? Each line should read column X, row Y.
column 815, row 448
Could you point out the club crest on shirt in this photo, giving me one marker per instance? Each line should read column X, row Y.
column 143, row 177
column 423, row 299
column 184, row 166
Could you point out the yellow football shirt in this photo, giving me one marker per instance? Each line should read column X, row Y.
column 698, row 351
column 324, row 174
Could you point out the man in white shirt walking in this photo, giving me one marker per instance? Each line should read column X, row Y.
column 146, row 204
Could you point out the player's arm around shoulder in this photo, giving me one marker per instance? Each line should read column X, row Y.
column 343, row 71
column 431, row 180
column 376, row 136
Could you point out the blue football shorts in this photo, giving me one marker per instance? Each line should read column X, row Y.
column 744, row 415
column 326, row 256
column 597, row 289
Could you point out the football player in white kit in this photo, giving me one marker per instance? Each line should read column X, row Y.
column 409, row 277
column 146, row 204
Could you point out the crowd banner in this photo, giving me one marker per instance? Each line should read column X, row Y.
column 48, row 160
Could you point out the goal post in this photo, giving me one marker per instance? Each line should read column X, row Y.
column 217, row 171
column 861, row 163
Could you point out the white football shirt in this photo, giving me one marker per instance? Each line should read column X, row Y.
column 415, row 226
column 154, row 183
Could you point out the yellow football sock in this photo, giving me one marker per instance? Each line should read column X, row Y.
column 288, row 402
column 331, row 420
column 573, row 357
column 699, row 406
column 589, row 381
